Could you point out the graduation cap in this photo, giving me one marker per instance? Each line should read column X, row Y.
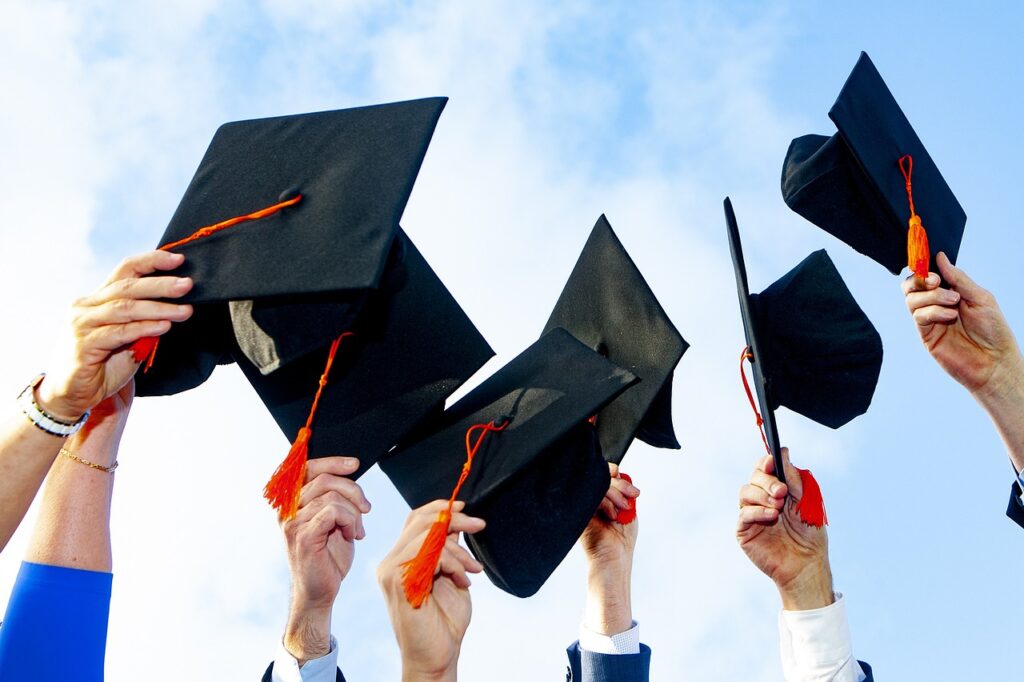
column 410, row 348
column 608, row 305
column 861, row 184
column 283, row 215
column 812, row 348
column 530, row 459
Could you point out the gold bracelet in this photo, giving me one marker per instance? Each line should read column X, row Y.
column 99, row 467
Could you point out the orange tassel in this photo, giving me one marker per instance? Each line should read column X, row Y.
column 284, row 489
column 811, row 505
column 418, row 572
column 627, row 516
column 918, row 255
column 145, row 348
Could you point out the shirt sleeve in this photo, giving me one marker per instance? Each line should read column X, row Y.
column 627, row 642
column 51, row 609
column 816, row 645
column 323, row 669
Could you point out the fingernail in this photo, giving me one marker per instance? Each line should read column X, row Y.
column 951, row 296
column 183, row 283
column 776, row 487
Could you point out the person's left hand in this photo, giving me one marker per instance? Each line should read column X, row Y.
column 321, row 546
column 609, row 547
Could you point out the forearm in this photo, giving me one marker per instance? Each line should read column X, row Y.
column 73, row 528
column 26, row 454
column 808, row 590
column 609, row 608
column 1003, row 398
column 411, row 674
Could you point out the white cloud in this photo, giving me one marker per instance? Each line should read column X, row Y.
column 556, row 116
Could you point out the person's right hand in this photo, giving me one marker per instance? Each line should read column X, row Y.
column 93, row 360
column 963, row 328
column 775, row 539
column 430, row 637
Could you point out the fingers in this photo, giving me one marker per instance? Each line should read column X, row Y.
column 756, row 516
column 140, row 289
column 793, row 484
column 959, row 280
column 934, row 297
column 335, row 466
column 123, row 310
column 752, row 495
column 935, row 314
column 346, row 488
column 145, row 264
column 113, row 336
column 768, row 483
column 343, row 514
column 913, row 283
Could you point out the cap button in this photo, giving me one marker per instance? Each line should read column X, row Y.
column 289, row 193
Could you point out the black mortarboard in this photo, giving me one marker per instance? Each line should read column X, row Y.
column 411, row 347
column 538, row 481
column 297, row 277
column 814, row 350
column 851, row 184
column 609, row 306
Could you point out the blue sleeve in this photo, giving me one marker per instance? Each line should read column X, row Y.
column 55, row 627
column 587, row 666
column 1015, row 510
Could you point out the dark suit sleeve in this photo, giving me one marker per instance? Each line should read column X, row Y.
column 587, row 666
column 270, row 671
column 1015, row 510
column 867, row 671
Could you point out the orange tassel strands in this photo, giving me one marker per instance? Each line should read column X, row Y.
column 918, row 254
column 627, row 516
column 285, row 487
column 145, row 348
column 811, row 506
column 747, row 355
column 418, row 572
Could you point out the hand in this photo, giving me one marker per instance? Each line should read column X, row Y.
column 608, row 546
column 321, row 545
column 94, row 360
column 790, row 552
column 964, row 330
column 430, row 637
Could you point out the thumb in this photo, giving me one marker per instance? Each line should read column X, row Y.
column 958, row 279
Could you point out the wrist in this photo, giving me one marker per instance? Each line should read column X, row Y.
column 609, row 608
column 810, row 589
column 308, row 633
column 54, row 402
column 412, row 673
column 1005, row 387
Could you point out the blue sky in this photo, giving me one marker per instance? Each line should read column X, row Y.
column 651, row 113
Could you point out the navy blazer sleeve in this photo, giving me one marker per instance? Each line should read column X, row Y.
column 270, row 671
column 867, row 671
column 587, row 666
column 1015, row 510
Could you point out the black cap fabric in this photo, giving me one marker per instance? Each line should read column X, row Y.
column 538, row 481
column 851, row 185
column 608, row 305
column 412, row 347
column 814, row 350
column 354, row 169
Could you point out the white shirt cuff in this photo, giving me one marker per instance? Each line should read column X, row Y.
column 817, row 646
column 323, row 669
column 627, row 642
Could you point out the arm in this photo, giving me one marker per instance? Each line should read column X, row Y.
column 964, row 330
column 609, row 645
column 321, row 546
column 430, row 637
column 63, row 590
column 90, row 364
column 814, row 634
